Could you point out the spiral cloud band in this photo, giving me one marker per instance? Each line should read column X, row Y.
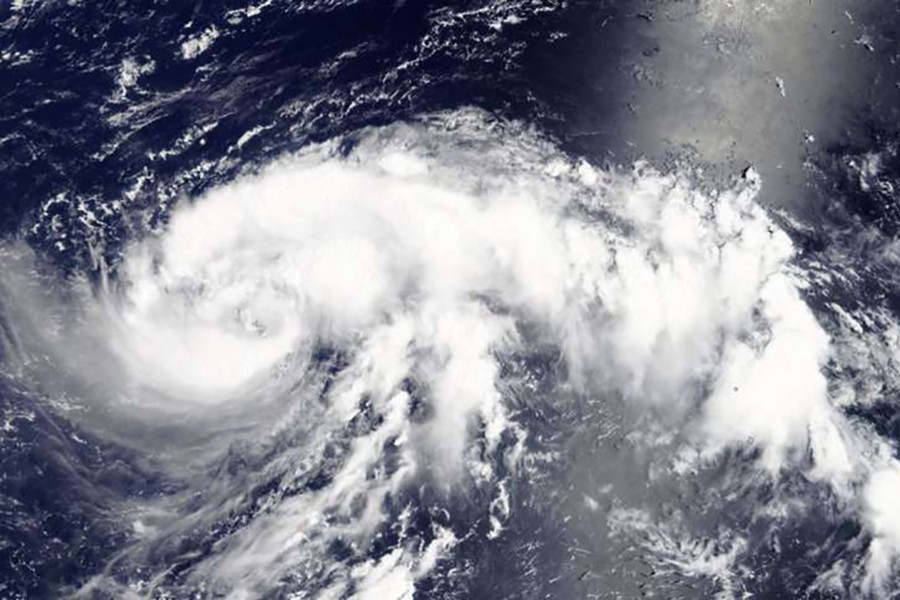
column 423, row 255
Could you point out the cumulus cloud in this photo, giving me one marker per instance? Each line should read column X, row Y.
column 670, row 289
column 198, row 44
column 422, row 252
column 883, row 520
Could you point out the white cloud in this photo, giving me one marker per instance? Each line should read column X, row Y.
column 880, row 499
column 194, row 46
column 421, row 255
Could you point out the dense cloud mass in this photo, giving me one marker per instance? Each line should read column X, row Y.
column 424, row 255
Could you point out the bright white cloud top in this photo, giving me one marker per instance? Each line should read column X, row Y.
column 428, row 253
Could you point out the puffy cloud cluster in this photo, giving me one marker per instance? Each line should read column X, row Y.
column 647, row 284
column 424, row 252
